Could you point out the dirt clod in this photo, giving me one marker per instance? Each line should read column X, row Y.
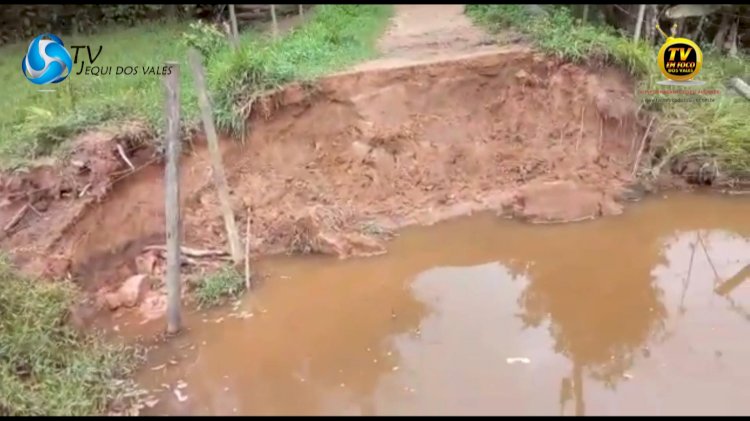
column 557, row 201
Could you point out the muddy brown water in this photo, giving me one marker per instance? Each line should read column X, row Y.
column 482, row 315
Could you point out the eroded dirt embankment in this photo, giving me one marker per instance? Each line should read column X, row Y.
column 334, row 168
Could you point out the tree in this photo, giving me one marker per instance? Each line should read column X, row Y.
column 639, row 22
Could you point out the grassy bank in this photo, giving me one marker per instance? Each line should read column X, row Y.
column 37, row 123
column 46, row 367
column 716, row 134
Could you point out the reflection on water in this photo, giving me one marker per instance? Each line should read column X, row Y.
column 641, row 314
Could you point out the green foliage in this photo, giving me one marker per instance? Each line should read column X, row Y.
column 335, row 36
column 204, row 37
column 46, row 367
column 215, row 288
column 716, row 132
column 558, row 33
column 37, row 123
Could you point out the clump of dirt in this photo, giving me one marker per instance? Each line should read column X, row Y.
column 325, row 231
column 335, row 169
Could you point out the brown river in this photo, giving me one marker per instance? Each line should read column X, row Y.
column 640, row 314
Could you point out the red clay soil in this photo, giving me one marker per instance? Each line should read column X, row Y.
column 333, row 169
column 420, row 136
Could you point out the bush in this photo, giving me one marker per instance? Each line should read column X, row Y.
column 204, row 37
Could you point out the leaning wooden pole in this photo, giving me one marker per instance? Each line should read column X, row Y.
column 220, row 181
column 172, row 197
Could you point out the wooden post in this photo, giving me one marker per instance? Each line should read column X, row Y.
column 585, row 16
column 235, row 32
column 274, row 23
column 172, row 200
column 301, row 8
column 220, row 181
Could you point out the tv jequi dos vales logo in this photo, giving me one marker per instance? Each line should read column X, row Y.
column 47, row 61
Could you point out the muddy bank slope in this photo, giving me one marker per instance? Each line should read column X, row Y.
column 333, row 168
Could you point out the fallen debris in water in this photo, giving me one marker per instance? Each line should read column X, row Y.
column 151, row 401
column 191, row 252
column 179, row 395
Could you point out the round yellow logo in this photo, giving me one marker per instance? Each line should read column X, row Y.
column 680, row 59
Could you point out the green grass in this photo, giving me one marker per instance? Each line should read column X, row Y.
column 46, row 367
column 217, row 287
column 336, row 36
column 37, row 123
column 716, row 133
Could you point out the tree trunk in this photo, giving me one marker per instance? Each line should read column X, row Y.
column 653, row 20
column 721, row 34
column 274, row 23
column 171, row 11
column 639, row 23
column 234, row 32
column 733, row 38
column 697, row 32
column 301, row 9
column 681, row 29
column 585, row 13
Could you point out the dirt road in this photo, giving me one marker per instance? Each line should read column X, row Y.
column 429, row 32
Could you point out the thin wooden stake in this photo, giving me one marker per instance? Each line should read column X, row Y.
column 235, row 36
column 640, row 149
column 580, row 131
column 247, row 252
column 16, row 218
column 220, row 181
column 301, row 9
column 172, row 200
column 274, row 23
